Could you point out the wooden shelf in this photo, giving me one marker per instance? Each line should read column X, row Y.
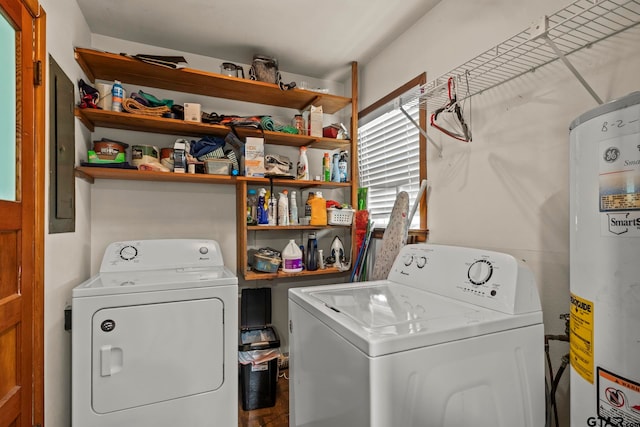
column 93, row 118
column 293, row 183
column 255, row 275
column 111, row 66
column 91, row 173
column 292, row 227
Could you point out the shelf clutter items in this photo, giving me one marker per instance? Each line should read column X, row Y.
column 265, row 209
column 215, row 155
column 210, row 148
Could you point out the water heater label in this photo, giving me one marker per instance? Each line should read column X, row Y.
column 581, row 339
column 618, row 399
column 620, row 174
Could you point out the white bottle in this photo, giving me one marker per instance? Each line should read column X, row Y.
column 283, row 209
column 293, row 209
column 273, row 207
column 303, row 165
column 292, row 258
column 321, row 260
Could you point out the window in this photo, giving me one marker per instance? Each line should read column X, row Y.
column 392, row 154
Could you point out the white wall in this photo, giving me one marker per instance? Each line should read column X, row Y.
column 66, row 254
column 508, row 189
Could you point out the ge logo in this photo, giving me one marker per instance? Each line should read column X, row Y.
column 611, row 154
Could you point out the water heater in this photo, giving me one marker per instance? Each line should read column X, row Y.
column 605, row 265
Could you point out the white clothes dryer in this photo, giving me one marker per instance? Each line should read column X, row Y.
column 154, row 338
column 453, row 337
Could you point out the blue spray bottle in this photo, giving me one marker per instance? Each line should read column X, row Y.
column 335, row 171
column 263, row 215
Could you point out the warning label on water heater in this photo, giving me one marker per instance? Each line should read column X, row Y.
column 581, row 339
column 619, row 177
column 618, row 399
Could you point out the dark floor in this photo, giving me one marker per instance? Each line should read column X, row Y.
column 277, row 416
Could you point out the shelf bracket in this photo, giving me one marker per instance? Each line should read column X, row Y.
column 417, row 125
column 540, row 29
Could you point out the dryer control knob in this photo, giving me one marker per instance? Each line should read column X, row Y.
column 480, row 272
column 408, row 259
column 204, row 250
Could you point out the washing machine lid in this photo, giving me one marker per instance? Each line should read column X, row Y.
column 385, row 317
column 155, row 280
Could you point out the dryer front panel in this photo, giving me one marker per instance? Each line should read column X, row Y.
column 151, row 353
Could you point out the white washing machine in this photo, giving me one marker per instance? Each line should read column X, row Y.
column 154, row 338
column 453, row 338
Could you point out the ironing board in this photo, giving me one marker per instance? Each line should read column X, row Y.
column 394, row 237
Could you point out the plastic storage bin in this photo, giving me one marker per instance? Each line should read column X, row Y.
column 339, row 216
column 259, row 341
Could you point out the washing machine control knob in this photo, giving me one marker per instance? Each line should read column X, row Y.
column 128, row 253
column 480, row 272
column 204, row 250
column 422, row 261
column 408, row 259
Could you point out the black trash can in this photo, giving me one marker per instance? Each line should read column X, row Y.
column 257, row 335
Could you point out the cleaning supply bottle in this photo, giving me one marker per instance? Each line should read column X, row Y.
column 272, row 212
column 303, row 165
column 312, row 249
column 252, row 206
column 263, row 217
column 318, row 210
column 293, row 209
column 326, row 168
column 342, row 166
column 321, row 265
column 335, row 168
column 283, row 208
column 291, row 258
column 117, row 94
column 307, row 206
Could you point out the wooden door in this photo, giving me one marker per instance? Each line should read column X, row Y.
column 17, row 214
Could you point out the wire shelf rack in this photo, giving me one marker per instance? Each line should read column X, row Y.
column 571, row 29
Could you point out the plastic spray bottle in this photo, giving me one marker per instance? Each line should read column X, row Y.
column 263, row 217
column 303, row 165
column 335, row 168
column 272, row 214
column 293, row 209
column 283, row 208
column 342, row 166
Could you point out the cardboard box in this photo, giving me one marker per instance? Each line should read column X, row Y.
column 192, row 112
column 254, row 157
column 315, row 121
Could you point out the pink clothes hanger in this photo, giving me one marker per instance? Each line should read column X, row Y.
column 452, row 106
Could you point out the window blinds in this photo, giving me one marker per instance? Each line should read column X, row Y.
column 388, row 162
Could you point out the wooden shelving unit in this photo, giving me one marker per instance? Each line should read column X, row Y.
column 109, row 66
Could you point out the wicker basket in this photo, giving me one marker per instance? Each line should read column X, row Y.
column 339, row 216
